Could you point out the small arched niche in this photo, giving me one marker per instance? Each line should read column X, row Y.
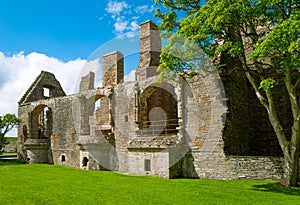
column 63, row 158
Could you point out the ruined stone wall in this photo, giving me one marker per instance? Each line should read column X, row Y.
column 103, row 112
column 217, row 166
column 263, row 138
column 204, row 113
column 159, row 162
column 112, row 68
column 263, row 141
column 63, row 138
column 112, row 75
column 87, row 82
column 248, row 131
column 125, row 130
column 207, row 157
column 236, row 133
column 129, row 145
column 216, row 126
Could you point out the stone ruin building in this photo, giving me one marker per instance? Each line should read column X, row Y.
column 178, row 128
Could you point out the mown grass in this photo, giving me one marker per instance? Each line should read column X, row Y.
column 50, row 184
column 8, row 154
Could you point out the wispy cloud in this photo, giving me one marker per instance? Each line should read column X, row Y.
column 125, row 18
column 121, row 25
column 144, row 9
column 133, row 26
column 115, row 8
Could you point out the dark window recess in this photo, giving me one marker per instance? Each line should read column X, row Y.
column 126, row 118
column 85, row 161
column 63, row 158
column 147, row 165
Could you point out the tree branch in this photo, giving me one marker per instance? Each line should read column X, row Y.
column 292, row 93
column 273, row 117
column 261, row 99
column 297, row 83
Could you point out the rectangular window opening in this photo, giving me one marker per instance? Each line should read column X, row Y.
column 46, row 92
column 147, row 164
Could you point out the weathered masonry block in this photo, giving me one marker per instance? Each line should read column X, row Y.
column 112, row 68
column 87, row 82
column 150, row 49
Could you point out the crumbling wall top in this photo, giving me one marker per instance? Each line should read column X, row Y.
column 87, row 82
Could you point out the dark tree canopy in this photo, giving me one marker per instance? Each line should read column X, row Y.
column 262, row 36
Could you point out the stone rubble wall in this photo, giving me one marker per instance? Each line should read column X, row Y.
column 210, row 140
column 87, row 82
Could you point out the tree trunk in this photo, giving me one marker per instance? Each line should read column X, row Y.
column 290, row 167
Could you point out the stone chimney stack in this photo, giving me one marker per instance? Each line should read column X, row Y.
column 150, row 49
column 87, row 82
column 112, row 68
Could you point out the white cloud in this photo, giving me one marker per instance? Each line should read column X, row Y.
column 125, row 29
column 144, row 9
column 120, row 25
column 115, row 7
column 102, row 17
column 124, row 18
column 134, row 26
column 135, row 18
column 130, row 34
column 21, row 70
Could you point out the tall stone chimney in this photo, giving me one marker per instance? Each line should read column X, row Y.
column 112, row 68
column 87, row 82
column 150, row 49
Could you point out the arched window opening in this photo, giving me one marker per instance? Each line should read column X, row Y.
column 158, row 111
column 41, row 123
column 98, row 114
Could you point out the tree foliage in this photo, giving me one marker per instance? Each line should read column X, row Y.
column 7, row 123
column 262, row 35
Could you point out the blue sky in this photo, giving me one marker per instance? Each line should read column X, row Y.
column 60, row 36
column 66, row 29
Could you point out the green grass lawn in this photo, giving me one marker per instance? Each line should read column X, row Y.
column 50, row 184
column 7, row 153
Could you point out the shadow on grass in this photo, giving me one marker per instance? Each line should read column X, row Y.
column 277, row 188
column 11, row 162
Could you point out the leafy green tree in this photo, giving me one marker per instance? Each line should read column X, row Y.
column 7, row 123
column 262, row 36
